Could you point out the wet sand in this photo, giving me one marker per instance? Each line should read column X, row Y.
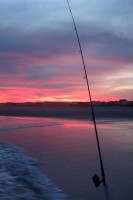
column 73, row 112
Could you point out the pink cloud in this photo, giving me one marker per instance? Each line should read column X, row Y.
column 17, row 90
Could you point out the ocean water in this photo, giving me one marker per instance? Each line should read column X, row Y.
column 68, row 153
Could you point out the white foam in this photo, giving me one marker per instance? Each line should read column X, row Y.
column 21, row 179
column 22, row 126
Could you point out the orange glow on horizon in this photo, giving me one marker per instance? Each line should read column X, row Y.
column 53, row 99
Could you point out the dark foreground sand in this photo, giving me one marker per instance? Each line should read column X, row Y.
column 73, row 112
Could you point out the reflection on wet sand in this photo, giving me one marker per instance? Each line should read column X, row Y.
column 68, row 152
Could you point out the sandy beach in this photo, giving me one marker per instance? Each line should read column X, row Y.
column 73, row 112
column 68, row 154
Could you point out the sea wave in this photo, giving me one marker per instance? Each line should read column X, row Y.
column 20, row 177
column 23, row 126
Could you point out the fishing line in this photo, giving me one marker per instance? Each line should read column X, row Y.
column 95, row 178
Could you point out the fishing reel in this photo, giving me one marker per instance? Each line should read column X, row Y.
column 97, row 181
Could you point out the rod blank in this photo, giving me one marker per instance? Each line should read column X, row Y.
column 91, row 104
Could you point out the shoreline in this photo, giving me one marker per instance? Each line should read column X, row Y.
column 68, row 112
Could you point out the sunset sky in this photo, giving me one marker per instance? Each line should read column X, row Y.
column 39, row 53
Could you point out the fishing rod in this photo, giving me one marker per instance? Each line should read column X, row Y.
column 95, row 178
